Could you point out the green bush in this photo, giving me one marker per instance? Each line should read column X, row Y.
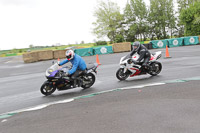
column 101, row 43
column 119, row 38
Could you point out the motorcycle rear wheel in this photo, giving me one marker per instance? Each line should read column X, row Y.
column 89, row 79
column 121, row 75
column 156, row 68
column 47, row 88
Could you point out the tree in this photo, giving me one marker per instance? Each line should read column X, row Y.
column 130, row 26
column 108, row 21
column 31, row 46
column 135, row 15
column 161, row 18
column 190, row 18
column 82, row 42
column 182, row 4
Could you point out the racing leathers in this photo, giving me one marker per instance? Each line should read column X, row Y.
column 78, row 66
column 143, row 53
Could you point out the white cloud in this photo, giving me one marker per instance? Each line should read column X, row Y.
column 18, row 2
column 46, row 22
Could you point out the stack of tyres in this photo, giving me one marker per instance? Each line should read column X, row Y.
column 175, row 42
column 191, row 40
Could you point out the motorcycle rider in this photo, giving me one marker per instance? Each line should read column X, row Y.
column 143, row 53
column 78, row 66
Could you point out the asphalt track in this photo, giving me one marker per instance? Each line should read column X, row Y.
column 20, row 85
column 169, row 108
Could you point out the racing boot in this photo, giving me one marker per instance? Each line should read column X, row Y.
column 75, row 82
column 143, row 70
column 147, row 67
column 80, row 83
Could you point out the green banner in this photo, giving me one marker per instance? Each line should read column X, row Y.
column 84, row 51
column 11, row 54
column 175, row 42
column 159, row 43
column 103, row 50
column 191, row 40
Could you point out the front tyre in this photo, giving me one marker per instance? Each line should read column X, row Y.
column 47, row 88
column 88, row 80
column 121, row 75
column 155, row 68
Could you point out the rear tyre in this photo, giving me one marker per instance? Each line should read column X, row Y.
column 121, row 75
column 155, row 68
column 88, row 80
column 47, row 88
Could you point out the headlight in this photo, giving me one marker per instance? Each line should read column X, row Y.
column 50, row 71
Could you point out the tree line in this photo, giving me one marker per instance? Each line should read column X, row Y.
column 139, row 21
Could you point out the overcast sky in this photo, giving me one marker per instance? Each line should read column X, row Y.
column 46, row 22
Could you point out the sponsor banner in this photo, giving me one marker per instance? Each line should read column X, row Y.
column 159, row 43
column 103, row 50
column 84, row 51
column 192, row 40
column 175, row 42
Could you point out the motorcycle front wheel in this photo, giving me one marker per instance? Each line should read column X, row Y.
column 47, row 88
column 121, row 75
column 88, row 80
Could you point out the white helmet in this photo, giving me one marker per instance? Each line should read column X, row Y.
column 70, row 54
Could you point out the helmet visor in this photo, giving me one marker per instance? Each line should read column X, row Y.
column 69, row 56
column 135, row 47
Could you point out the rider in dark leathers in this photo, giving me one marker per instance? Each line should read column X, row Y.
column 143, row 53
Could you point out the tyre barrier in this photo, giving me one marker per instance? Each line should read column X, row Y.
column 84, row 51
column 191, row 40
column 175, row 42
column 103, row 50
column 199, row 39
column 148, row 45
column 159, row 43
column 115, row 48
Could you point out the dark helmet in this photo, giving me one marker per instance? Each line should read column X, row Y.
column 136, row 46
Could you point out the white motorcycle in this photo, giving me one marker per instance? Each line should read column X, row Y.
column 129, row 68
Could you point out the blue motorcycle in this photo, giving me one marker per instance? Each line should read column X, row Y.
column 56, row 80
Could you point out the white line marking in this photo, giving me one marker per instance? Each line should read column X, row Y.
column 70, row 100
column 4, row 120
column 142, row 86
column 39, row 106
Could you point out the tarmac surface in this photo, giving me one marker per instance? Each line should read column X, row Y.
column 168, row 108
column 167, row 103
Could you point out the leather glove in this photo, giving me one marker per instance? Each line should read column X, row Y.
column 65, row 74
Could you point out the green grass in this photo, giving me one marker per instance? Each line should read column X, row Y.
column 14, row 52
